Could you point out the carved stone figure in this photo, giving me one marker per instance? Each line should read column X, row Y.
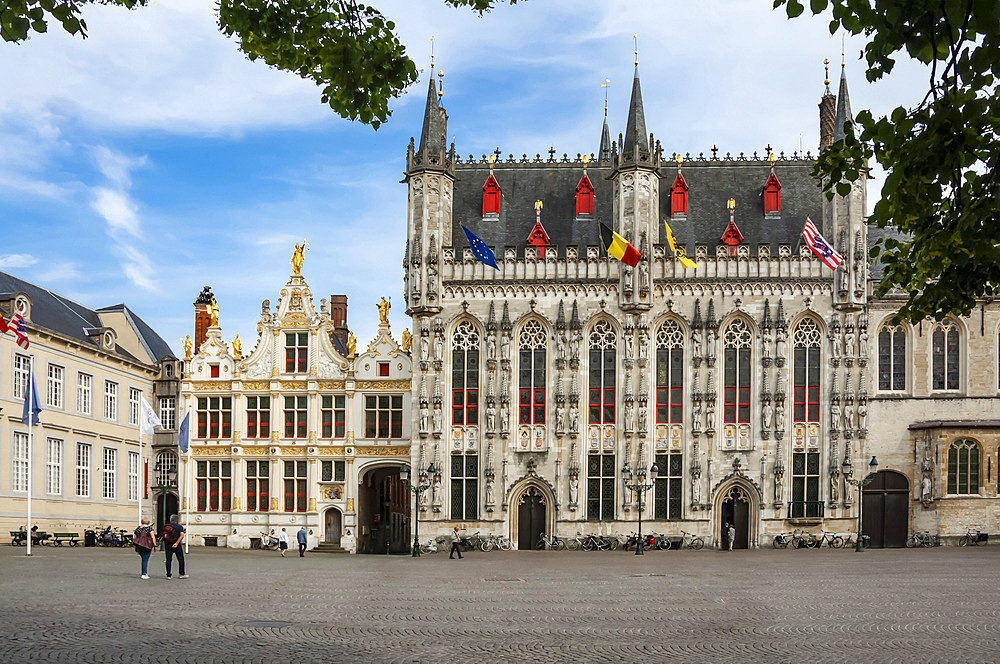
column 643, row 346
column 560, row 417
column 835, row 486
column 696, row 340
column 491, row 347
column 642, row 417
column 643, row 277
column 696, row 490
column 778, row 477
column 505, row 347
column 766, row 412
column 779, row 417
column 863, row 343
column 491, row 418
column 696, row 415
column 574, row 489
column 710, row 345
column 835, row 344
column 438, row 418
column 574, row 418
column 424, row 413
column 436, row 489
column 835, row 416
column 574, row 345
column 504, row 415
column 439, row 347
column 489, row 490
column 926, row 488
column 629, row 408
column 766, row 340
column 849, row 342
column 862, row 415
column 779, row 346
column 709, row 413
column 407, row 341
column 424, row 348
column 629, row 347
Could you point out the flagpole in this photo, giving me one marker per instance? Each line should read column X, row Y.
column 27, row 395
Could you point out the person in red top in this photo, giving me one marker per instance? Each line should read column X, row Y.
column 173, row 535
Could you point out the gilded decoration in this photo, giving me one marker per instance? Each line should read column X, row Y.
column 211, row 451
column 350, row 504
column 312, row 437
column 236, row 502
column 274, row 436
column 237, row 436
column 256, row 385
column 383, row 451
column 274, row 504
column 293, row 451
column 398, row 384
column 312, row 504
column 213, row 386
column 294, row 385
column 333, row 492
column 254, row 451
column 331, row 385
column 330, row 451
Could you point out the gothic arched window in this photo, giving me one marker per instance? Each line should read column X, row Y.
column 945, row 356
column 465, row 374
column 892, row 358
column 603, row 342
column 669, row 373
column 963, row 467
column 807, row 340
column 737, row 369
column 531, row 373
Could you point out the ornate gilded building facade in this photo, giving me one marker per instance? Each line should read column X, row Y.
column 303, row 430
column 755, row 382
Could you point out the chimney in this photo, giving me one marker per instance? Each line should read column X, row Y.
column 201, row 316
column 338, row 314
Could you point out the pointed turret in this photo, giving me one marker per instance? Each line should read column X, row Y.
column 604, row 152
column 433, row 136
column 843, row 106
column 827, row 106
column 635, row 129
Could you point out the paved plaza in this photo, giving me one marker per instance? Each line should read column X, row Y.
column 88, row 605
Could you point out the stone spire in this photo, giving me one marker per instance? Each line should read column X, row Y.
column 635, row 129
column 433, row 136
column 827, row 111
column 843, row 106
column 604, row 152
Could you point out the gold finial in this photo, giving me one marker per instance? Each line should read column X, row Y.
column 606, row 84
column 538, row 208
column 440, row 82
column 432, row 53
column 771, row 158
column 826, row 72
column 731, row 204
column 586, row 159
column 237, row 348
column 843, row 51
column 298, row 256
column 679, row 159
column 635, row 43
column 213, row 312
column 383, row 311
column 491, row 158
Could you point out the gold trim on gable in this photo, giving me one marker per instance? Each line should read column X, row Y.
column 212, row 451
column 214, row 386
column 331, row 385
column 294, row 385
column 383, row 451
column 398, row 384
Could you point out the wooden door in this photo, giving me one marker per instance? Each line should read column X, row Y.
column 736, row 510
column 333, row 526
column 530, row 519
column 885, row 510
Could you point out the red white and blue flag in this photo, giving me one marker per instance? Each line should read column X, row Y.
column 820, row 246
column 20, row 330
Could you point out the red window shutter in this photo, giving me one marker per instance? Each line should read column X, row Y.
column 491, row 196
column 679, row 196
column 772, row 195
column 584, row 197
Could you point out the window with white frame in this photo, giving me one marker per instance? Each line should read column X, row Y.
column 21, row 365
column 53, row 466
column 168, row 412
column 109, row 474
column 20, row 461
column 110, row 400
column 83, row 452
column 166, row 467
column 85, row 393
column 133, row 475
column 54, row 386
column 134, row 394
column 215, row 486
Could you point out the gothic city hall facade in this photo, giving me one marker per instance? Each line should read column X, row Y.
column 761, row 383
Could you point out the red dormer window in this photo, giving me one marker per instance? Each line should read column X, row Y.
column 491, row 196
column 679, row 196
column 772, row 195
column 584, row 196
column 538, row 238
column 732, row 237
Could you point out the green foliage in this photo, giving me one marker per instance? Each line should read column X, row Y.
column 942, row 191
column 349, row 49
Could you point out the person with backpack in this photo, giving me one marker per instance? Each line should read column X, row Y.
column 173, row 534
column 145, row 542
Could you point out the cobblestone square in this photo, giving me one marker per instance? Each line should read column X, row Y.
column 89, row 605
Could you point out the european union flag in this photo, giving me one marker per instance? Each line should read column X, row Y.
column 480, row 250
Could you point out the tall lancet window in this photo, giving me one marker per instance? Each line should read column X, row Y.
column 670, row 373
column 805, row 369
column 737, row 369
column 531, row 373
column 945, row 356
column 465, row 374
column 603, row 344
column 892, row 358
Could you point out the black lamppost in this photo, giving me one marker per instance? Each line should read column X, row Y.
column 417, row 489
column 637, row 482
column 848, row 472
column 166, row 480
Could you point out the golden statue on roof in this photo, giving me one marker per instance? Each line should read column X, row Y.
column 213, row 312
column 297, row 257
column 538, row 207
column 352, row 344
column 237, row 348
column 383, row 310
column 187, row 347
column 407, row 341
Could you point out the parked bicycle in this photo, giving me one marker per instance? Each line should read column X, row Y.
column 801, row 540
column 852, row 539
column 973, row 537
column 832, row 539
column 491, row 542
column 553, row 543
column 923, row 538
column 430, row 546
column 781, row 540
column 689, row 541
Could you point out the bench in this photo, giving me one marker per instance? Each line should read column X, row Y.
column 72, row 538
column 17, row 537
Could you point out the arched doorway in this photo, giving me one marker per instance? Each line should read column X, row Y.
column 383, row 511
column 885, row 513
column 737, row 502
column 531, row 512
column 333, row 526
column 166, row 506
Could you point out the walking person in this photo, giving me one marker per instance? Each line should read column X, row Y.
column 303, row 537
column 454, row 545
column 173, row 535
column 145, row 542
column 283, row 542
column 731, row 535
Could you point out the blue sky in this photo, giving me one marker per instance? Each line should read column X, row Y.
column 152, row 158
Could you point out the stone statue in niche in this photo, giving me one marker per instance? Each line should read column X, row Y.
column 629, row 408
column 574, row 418
column 491, row 418
column 423, row 418
column 629, row 346
column 439, row 347
column 489, row 490
column 779, row 349
column 766, row 412
column 424, row 348
column 863, row 343
column 779, row 417
column 643, row 345
column 437, row 418
column 574, row 347
column 834, row 486
column 926, row 488
column 505, row 347
column 643, row 277
column 696, row 490
column 696, row 340
column 424, row 497
column 436, row 490
column 849, row 342
column 696, row 415
column 627, row 275
column 779, row 475
column 863, row 415
column 491, row 347
column 709, row 413
column 710, row 344
column 642, row 417
column 504, row 415
column 835, row 344
column 835, row 415
column 431, row 280
column 560, row 417
column 574, row 489
column 766, row 340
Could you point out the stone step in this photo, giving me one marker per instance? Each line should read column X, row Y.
column 329, row 548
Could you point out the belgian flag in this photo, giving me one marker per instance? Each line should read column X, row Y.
column 619, row 247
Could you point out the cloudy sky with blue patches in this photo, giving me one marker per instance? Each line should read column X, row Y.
column 152, row 158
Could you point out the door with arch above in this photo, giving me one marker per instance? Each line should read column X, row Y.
column 736, row 510
column 885, row 513
column 333, row 526
column 530, row 518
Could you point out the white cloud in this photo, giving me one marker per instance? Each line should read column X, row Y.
column 13, row 261
column 117, row 208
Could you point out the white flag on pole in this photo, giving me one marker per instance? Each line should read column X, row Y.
column 148, row 418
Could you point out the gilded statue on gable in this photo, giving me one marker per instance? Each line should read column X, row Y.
column 298, row 256
column 352, row 344
column 383, row 310
column 237, row 348
column 407, row 341
column 213, row 312
column 187, row 347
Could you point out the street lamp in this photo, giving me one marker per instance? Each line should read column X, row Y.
column 848, row 472
column 166, row 480
column 637, row 482
column 417, row 488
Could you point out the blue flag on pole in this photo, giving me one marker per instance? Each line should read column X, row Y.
column 480, row 250
column 32, row 407
column 183, row 434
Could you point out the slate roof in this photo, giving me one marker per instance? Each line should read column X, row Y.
column 60, row 314
column 710, row 185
